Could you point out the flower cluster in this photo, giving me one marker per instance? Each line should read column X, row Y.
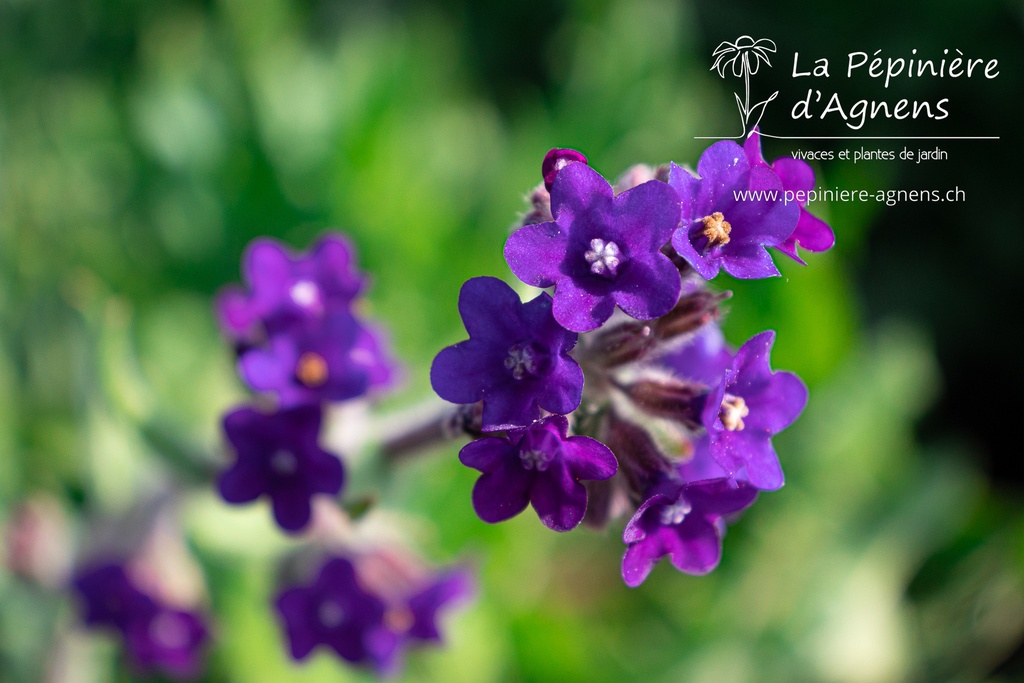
column 159, row 638
column 623, row 351
column 298, row 339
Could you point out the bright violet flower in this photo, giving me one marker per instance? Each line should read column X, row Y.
column 721, row 229
column 285, row 290
column 337, row 360
column 748, row 407
column 278, row 455
column 537, row 466
column 337, row 612
column 683, row 521
column 811, row 233
column 516, row 359
column 601, row 250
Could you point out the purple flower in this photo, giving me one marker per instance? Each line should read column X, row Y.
column 285, row 290
column 278, row 455
column 337, row 612
column 537, row 466
column 170, row 641
column 796, row 175
column 683, row 521
column 109, row 598
column 158, row 638
column 722, row 229
column 601, row 250
column 336, row 360
column 749, row 406
column 516, row 359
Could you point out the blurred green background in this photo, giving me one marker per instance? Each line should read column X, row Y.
column 142, row 145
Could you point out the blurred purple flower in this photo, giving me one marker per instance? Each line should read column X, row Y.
column 749, row 406
column 683, row 521
column 168, row 641
column 158, row 639
column 337, row 612
column 722, row 228
column 278, row 454
column 796, row 175
column 109, row 598
column 539, row 466
column 516, row 359
column 337, row 360
column 441, row 592
column 284, row 290
column 601, row 250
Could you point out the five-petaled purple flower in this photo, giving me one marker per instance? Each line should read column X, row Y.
column 749, row 406
column 730, row 214
column 278, row 454
column 158, row 638
column 337, row 612
column 285, row 290
column 516, row 359
column 683, row 521
column 601, row 250
column 537, row 466
column 797, row 177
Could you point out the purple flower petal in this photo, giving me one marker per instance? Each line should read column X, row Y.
column 502, row 494
column 559, row 499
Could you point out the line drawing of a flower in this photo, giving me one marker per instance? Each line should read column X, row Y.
column 743, row 57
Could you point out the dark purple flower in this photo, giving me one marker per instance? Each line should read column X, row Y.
column 169, row 641
column 749, row 406
column 278, row 455
column 722, row 227
column 516, row 359
column 537, row 466
column 336, row 360
column 683, row 521
column 109, row 598
column 796, row 175
column 337, row 612
column 158, row 638
column 601, row 250
column 285, row 290
column 557, row 159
